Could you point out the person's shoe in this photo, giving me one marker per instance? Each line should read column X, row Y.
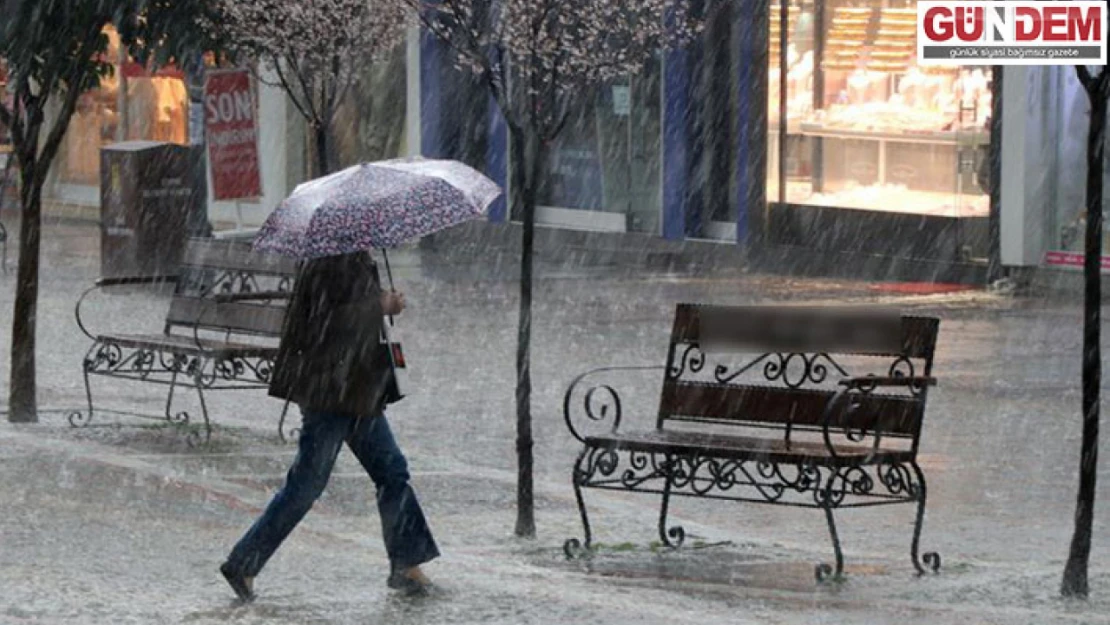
column 410, row 581
column 241, row 584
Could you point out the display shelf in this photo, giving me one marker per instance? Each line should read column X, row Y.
column 792, row 128
column 938, row 137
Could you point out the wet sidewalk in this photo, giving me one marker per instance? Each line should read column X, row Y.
column 122, row 523
column 119, row 525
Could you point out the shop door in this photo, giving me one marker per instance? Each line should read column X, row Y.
column 629, row 134
column 971, row 199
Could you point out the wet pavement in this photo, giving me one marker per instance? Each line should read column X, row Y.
column 126, row 524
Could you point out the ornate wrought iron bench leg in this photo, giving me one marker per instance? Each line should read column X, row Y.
column 823, row 571
column 672, row 537
column 573, row 548
column 930, row 561
column 181, row 418
column 78, row 418
column 203, row 411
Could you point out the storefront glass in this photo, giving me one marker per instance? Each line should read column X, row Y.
column 370, row 122
column 151, row 107
column 1055, row 173
column 866, row 128
column 607, row 157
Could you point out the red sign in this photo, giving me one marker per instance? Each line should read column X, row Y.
column 1071, row 259
column 231, row 131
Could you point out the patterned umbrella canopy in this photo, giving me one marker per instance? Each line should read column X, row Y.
column 375, row 205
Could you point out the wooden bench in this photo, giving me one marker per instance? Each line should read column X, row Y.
column 221, row 331
column 792, row 406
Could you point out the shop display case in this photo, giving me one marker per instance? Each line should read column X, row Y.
column 873, row 146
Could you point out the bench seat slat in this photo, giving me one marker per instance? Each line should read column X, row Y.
column 743, row 447
column 897, row 415
column 186, row 345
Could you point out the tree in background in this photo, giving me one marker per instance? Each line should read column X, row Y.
column 314, row 50
column 537, row 57
column 55, row 50
column 1075, row 571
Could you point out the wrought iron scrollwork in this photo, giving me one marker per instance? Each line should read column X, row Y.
column 600, row 403
column 808, row 484
column 793, row 369
column 898, row 480
column 814, row 368
column 692, row 360
column 639, row 472
column 748, row 479
column 930, row 561
column 723, row 375
column 103, row 356
column 79, row 418
column 904, row 367
column 673, row 536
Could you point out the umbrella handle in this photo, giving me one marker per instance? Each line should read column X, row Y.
column 389, row 274
column 388, row 270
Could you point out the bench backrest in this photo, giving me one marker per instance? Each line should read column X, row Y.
column 210, row 267
column 776, row 368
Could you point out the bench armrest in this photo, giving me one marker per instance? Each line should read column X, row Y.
column 133, row 280
column 846, row 400
column 230, row 298
column 600, row 402
column 104, row 283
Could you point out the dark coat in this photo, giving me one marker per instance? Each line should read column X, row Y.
column 331, row 357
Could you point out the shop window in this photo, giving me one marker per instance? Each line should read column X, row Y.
column 130, row 104
column 369, row 124
column 1056, row 164
column 607, row 157
column 856, row 124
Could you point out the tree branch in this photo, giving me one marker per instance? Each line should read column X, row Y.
column 1084, row 76
column 19, row 121
column 333, row 88
column 473, row 49
column 289, row 92
column 493, row 73
column 74, row 83
column 308, row 93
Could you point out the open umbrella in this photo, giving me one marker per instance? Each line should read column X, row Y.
column 380, row 205
column 375, row 205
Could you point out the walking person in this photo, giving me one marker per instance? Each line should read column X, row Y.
column 333, row 363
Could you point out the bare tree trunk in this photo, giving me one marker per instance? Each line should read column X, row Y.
column 320, row 141
column 1075, row 572
column 528, row 159
column 23, row 406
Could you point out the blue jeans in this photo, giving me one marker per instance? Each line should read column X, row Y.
column 408, row 541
